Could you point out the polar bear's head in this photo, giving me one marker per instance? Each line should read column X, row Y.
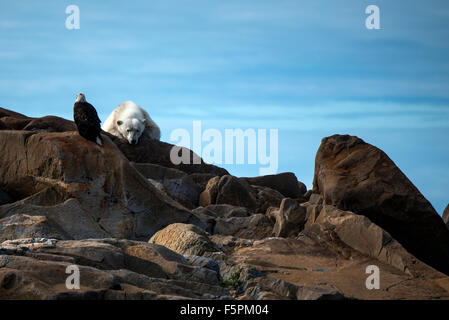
column 131, row 129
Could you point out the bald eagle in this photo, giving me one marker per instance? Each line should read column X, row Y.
column 86, row 119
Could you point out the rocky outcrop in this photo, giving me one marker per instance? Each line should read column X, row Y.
column 355, row 176
column 333, row 228
column 108, row 269
column 140, row 227
column 86, row 191
column 285, row 183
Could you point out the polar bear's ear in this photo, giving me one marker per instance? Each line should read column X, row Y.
column 119, row 122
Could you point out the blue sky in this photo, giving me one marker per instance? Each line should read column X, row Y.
column 308, row 68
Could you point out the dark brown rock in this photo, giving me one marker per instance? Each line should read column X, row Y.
column 446, row 215
column 10, row 113
column 4, row 198
column 290, row 218
column 228, row 190
column 201, row 179
column 266, row 197
column 50, row 124
column 237, row 192
column 355, row 176
column 286, row 183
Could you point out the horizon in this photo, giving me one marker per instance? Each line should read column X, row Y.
column 309, row 69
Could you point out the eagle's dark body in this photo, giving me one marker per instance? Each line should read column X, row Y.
column 86, row 120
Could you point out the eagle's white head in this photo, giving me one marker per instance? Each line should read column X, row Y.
column 80, row 97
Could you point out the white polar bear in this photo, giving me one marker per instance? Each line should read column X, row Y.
column 130, row 121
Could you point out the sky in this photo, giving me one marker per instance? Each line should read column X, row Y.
column 308, row 68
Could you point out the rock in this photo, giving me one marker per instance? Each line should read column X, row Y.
column 201, row 179
column 446, row 215
column 153, row 151
column 108, row 268
column 222, row 211
column 203, row 262
column 185, row 239
column 302, row 188
column 307, row 195
column 268, row 289
column 290, row 218
column 87, row 191
column 10, row 113
column 359, row 233
column 257, row 226
column 25, row 226
column 355, row 176
column 228, row 190
column 50, row 124
column 209, row 195
column 266, row 197
column 15, row 121
column 176, row 183
column 4, row 198
column 286, row 183
column 305, row 262
column 237, row 192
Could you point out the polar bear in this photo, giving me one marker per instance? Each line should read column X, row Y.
column 130, row 121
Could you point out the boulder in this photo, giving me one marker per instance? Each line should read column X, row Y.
column 355, row 176
column 237, row 192
column 286, row 183
column 228, row 190
column 266, row 197
column 290, row 218
column 185, row 239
